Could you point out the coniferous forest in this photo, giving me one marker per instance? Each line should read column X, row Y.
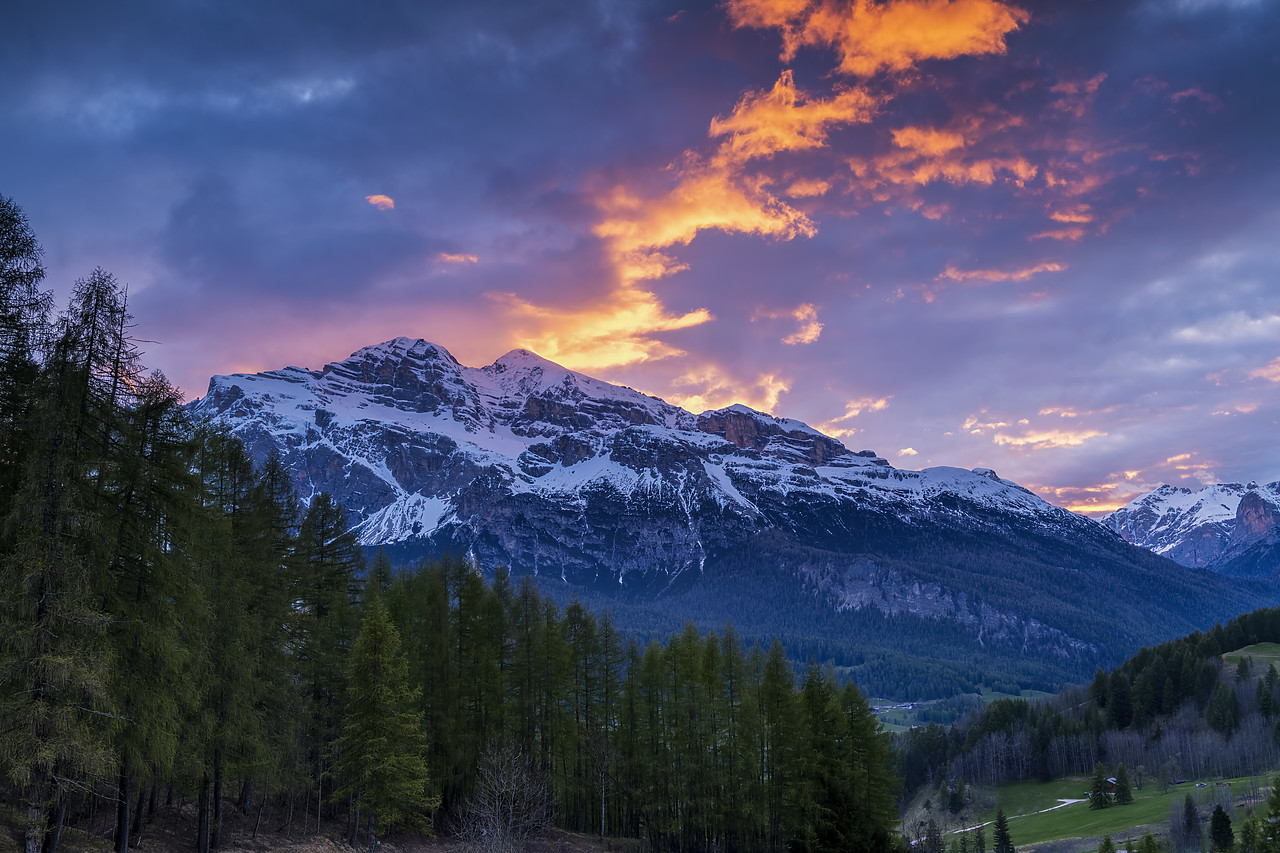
column 176, row 626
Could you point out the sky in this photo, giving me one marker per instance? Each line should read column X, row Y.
column 1039, row 237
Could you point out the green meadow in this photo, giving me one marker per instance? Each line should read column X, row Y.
column 1150, row 808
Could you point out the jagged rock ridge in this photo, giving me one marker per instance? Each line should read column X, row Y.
column 548, row 471
column 1233, row 528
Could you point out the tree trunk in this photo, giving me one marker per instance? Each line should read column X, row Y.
column 122, row 809
column 373, row 829
column 53, row 832
column 202, row 828
column 37, row 815
column 246, row 796
column 138, row 812
column 353, row 820
column 215, row 829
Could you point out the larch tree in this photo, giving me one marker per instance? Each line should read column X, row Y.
column 382, row 753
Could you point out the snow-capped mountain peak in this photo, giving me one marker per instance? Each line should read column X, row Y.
column 1208, row 527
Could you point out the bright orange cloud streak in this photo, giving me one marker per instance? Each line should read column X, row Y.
column 613, row 334
column 382, row 202
column 782, row 119
column 1000, row 275
column 893, row 36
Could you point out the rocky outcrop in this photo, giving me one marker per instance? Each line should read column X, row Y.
column 1226, row 527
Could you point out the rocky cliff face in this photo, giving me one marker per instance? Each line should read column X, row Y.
column 547, row 471
column 1232, row 528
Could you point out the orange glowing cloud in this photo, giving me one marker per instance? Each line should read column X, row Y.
column 451, row 258
column 1000, row 275
column 1080, row 213
column 1073, row 233
column 1096, row 500
column 707, row 195
column 806, row 314
column 894, row 36
column 615, row 333
column 924, row 155
column 783, row 119
column 712, row 387
column 928, row 141
column 1047, row 439
column 382, row 202
column 808, row 188
column 809, row 329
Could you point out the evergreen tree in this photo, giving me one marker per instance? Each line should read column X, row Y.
column 1124, row 791
column 1223, row 713
column 1000, row 835
column 1120, row 701
column 382, row 752
column 1107, row 845
column 1220, row 833
column 1190, row 822
column 1251, row 837
column 1098, row 796
column 1148, row 844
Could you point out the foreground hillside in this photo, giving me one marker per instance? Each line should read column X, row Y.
column 924, row 582
column 1179, row 728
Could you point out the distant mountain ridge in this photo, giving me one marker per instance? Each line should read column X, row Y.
column 664, row 514
column 1231, row 528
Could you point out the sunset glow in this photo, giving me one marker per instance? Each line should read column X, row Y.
column 1037, row 237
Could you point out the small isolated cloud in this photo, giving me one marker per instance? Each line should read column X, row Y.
column 908, row 451
column 852, row 409
column 382, row 202
column 1270, row 372
column 456, row 258
column 808, row 188
column 1000, row 275
column 810, row 328
column 1047, row 439
column 1075, row 232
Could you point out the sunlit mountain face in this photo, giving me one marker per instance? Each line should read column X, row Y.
column 918, row 580
column 1036, row 237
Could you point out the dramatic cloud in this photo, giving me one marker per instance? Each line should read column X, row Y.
column 1056, row 217
column 893, row 36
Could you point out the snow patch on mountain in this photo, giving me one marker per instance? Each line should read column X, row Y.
column 1207, row 527
column 417, row 445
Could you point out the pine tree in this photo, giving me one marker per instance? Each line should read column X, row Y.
column 1107, row 845
column 1098, row 796
column 1220, row 833
column 382, row 752
column 1000, row 835
column 1190, row 821
column 1124, row 791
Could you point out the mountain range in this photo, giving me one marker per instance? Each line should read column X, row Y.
column 1231, row 528
column 916, row 581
